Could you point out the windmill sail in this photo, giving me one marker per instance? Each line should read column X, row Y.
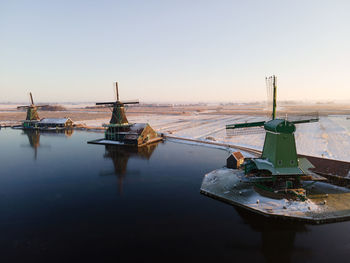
column 259, row 127
column 271, row 89
column 31, row 98
column 118, row 110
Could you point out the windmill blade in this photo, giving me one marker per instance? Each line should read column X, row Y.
column 117, row 90
column 245, row 125
column 271, row 88
column 304, row 118
column 245, row 128
column 119, row 103
column 245, row 131
column 131, row 102
column 305, row 121
column 123, row 102
column 41, row 106
column 105, row 103
column 23, row 107
column 31, row 98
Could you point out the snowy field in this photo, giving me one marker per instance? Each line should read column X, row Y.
column 329, row 138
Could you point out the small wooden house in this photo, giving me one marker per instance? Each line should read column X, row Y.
column 235, row 160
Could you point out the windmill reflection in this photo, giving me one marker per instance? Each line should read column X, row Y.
column 277, row 237
column 120, row 156
column 34, row 140
column 34, row 137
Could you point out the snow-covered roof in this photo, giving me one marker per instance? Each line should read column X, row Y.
column 263, row 164
column 54, row 120
column 138, row 127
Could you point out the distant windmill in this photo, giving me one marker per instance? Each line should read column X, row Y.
column 120, row 131
column 118, row 111
column 32, row 109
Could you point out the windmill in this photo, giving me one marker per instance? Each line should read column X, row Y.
column 32, row 112
column 279, row 183
column 118, row 112
column 279, row 163
column 120, row 131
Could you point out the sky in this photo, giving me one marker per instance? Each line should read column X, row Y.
column 174, row 51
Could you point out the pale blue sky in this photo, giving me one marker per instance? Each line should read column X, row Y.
column 174, row 50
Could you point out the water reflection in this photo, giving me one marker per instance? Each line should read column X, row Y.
column 120, row 156
column 278, row 238
column 34, row 137
column 57, row 208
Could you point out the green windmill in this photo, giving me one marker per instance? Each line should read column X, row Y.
column 118, row 124
column 32, row 113
column 118, row 111
column 279, row 166
column 120, row 131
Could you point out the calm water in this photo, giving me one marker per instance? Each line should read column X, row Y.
column 62, row 200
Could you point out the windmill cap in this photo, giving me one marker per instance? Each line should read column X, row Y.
column 280, row 126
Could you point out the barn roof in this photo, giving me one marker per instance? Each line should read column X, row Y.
column 238, row 155
column 137, row 128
